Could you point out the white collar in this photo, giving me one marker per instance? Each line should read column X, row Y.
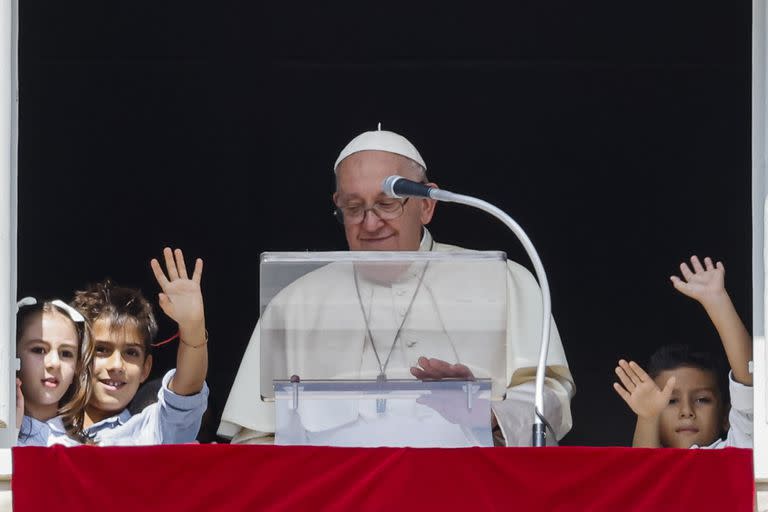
column 427, row 243
column 120, row 419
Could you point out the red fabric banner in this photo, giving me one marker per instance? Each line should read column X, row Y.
column 285, row 478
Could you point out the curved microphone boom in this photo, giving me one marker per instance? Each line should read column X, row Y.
column 397, row 186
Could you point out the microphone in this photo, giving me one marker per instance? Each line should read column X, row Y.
column 399, row 187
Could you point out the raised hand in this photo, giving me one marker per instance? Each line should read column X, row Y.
column 641, row 393
column 705, row 283
column 181, row 298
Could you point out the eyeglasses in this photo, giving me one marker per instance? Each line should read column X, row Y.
column 387, row 209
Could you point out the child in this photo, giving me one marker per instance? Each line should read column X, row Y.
column 680, row 404
column 123, row 328
column 49, row 337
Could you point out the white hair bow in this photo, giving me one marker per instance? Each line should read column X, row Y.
column 72, row 312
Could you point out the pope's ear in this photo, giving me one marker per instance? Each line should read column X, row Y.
column 428, row 207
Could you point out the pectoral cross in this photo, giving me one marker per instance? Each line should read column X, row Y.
column 381, row 403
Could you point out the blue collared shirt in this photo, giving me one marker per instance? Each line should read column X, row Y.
column 34, row 432
column 173, row 419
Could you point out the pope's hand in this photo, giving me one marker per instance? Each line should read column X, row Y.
column 435, row 369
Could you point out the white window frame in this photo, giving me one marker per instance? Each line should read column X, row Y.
column 9, row 30
column 759, row 244
column 8, row 212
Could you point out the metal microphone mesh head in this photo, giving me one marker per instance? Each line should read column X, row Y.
column 388, row 186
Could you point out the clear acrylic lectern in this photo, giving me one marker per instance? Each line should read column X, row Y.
column 341, row 332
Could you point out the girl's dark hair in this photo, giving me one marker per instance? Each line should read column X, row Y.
column 80, row 388
column 122, row 308
column 670, row 357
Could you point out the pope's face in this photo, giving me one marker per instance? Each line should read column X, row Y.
column 359, row 178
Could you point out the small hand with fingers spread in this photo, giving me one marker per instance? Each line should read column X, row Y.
column 641, row 393
column 705, row 283
column 181, row 298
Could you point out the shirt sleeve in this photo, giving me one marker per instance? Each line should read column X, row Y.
column 524, row 324
column 179, row 416
column 244, row 410
column 32, row 433
column 247, row 436
column 514, row 414
column 741, row 416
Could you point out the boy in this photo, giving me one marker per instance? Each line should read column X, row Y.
column 118, row 361
column 681, row 404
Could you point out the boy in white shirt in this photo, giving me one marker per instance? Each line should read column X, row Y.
column 679, row 403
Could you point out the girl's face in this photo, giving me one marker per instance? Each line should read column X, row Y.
column 48, row 352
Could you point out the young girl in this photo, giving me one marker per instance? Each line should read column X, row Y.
column 123, row 328
column 49, row 340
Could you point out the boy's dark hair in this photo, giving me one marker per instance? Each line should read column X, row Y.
column 120, row 306
column 670, row 357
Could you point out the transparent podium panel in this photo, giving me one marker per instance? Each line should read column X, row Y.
column 380, row 317
column 445, row 413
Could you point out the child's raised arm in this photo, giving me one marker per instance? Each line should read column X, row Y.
column 646, row 399
column 182, row 300
column 706, row 284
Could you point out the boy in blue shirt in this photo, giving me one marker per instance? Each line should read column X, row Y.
column 118, row 361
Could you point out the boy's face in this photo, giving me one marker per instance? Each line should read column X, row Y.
column 48, row 353
column 694, row 414
column 120, row 365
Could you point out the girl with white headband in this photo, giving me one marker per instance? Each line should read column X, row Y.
column 49, row 340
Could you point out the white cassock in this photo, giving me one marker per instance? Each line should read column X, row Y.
column 340, row 315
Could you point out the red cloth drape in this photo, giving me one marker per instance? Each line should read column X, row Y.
column 224, row 477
